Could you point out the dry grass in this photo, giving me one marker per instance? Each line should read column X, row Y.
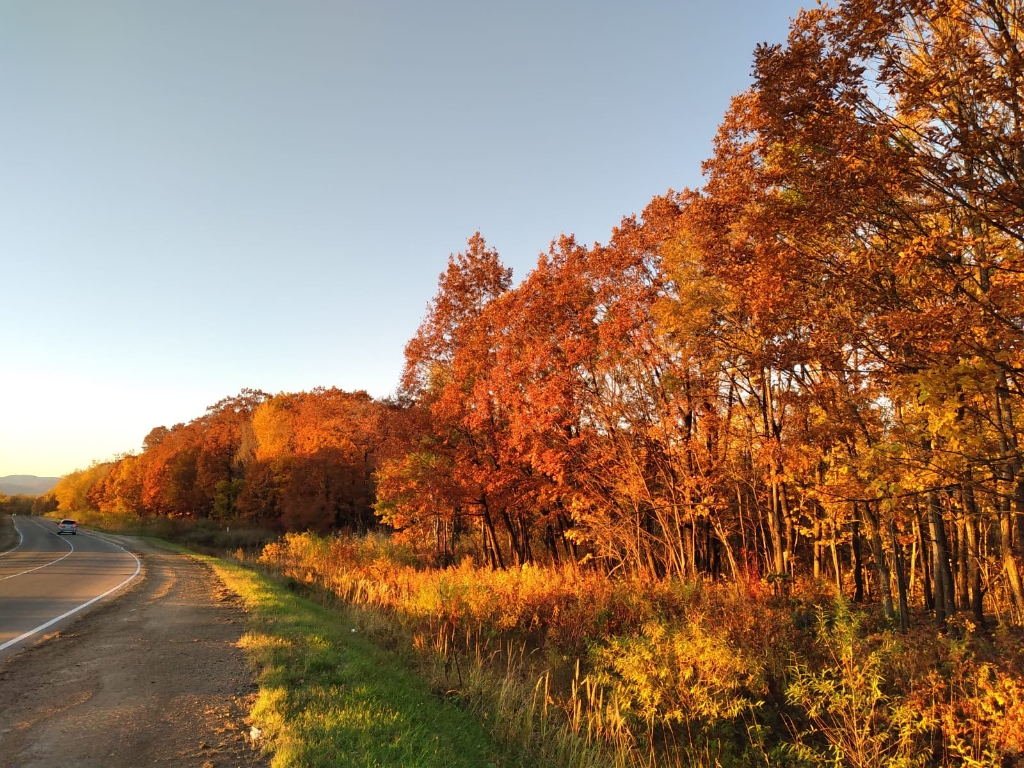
column 572, row 667
column 568, row 667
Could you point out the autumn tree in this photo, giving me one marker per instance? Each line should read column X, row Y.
column 862, row 186
column 72, row 492
column 311, row 461
column 457, row 458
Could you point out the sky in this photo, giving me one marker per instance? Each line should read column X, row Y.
column 202, row 196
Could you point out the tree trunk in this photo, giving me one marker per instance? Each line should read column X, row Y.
column 775, row 528
column 818, row 547
column 1006, row 487
column 514, row 541
column 963, row 592
column 724, row 540
column 973, row 553
column 901, row 579
column 1009, row 564
column 836, row 562
column 927, row 586
column 858, row 560
column 491, row 539
column 944, row 605
column 881, row 564
column 776, row 521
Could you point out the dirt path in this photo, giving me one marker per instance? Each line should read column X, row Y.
column 153, row 677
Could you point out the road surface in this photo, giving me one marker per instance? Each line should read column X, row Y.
column 150, row 675
column 47, row 580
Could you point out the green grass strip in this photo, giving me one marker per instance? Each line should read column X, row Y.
column 329, row 697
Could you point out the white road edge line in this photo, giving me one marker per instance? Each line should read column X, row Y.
column 101, row 537
column 51, row 622
column 45, row 565
column 21, row 538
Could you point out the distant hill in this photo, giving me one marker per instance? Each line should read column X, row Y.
column 26, row 484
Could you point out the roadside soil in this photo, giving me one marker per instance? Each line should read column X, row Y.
column 8, row 536
column 151, row 677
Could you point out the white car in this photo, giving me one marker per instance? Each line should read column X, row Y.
column 67, row 526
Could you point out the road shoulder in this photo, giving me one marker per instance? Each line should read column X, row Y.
column 8, row 533
column 154, row 676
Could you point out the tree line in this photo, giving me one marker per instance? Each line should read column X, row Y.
column 290, row 462
column 811, row 367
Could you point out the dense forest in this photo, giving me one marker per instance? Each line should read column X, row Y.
column 289, row 462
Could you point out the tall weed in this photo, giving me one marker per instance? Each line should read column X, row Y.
column 569, row 667
column 853, row 715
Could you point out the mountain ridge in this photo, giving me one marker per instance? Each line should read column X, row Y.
column 29, row 485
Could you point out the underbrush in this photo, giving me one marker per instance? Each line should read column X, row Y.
column 565, row 666
column 570, row 666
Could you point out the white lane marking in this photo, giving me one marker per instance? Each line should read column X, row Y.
column 45, row 565
column 21, row 538
column 51, row 622
column 101, row 537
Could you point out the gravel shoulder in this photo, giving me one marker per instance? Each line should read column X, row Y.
column 8, row 536
column 152, row 677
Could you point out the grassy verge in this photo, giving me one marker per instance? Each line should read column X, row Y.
column 330, row 697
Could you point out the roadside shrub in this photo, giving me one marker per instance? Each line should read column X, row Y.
column 849, row 704
column 680, row 675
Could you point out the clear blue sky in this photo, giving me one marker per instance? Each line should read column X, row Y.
column 201, row 196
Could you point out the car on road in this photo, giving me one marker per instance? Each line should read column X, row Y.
column 67, row 526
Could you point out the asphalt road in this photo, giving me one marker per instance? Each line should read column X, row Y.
column 49, row 580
